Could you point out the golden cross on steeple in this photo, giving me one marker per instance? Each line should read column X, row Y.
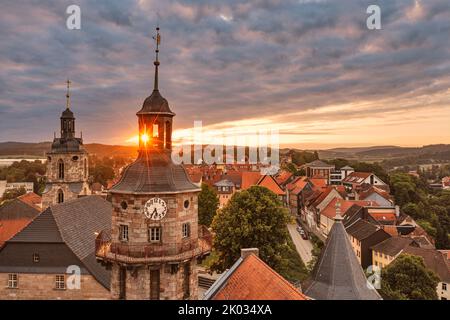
column 68, row 94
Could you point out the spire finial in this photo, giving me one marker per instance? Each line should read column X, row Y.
column 338, row 216
column 157, row 38
column 68, row 94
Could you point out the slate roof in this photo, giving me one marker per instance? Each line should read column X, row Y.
column 155, row 104
column 392, row 246
column 74, row 223
column 338, row 274
column 154, row 173
column 434, row 260
column 224, row 183
column 250, row 278
column 361, row 229
column 71, row 145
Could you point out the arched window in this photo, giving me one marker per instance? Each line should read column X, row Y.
column 60, row 169
column 168, row 135
column 60, row 196
column 85, row 169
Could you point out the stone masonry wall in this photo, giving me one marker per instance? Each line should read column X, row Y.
column 42, row 287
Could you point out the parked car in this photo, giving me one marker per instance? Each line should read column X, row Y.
column 299, row 229
column 304, row 236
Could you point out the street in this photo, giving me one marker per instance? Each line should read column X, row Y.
column 303, row 247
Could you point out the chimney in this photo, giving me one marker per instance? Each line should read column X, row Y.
column 397, row 211
column 245, row 252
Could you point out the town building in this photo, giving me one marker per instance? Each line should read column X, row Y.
column 337, row 175
column 225, row 189
column 363, row 235
column 67, row 163
column 326, row 215
column 7, row 186
column 250, row 278
column 387, row 251
column 42, row 261
column 154, row 241
column 318, row 168
column 337, row 274
column 356, row 181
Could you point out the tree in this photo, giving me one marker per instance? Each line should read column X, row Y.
column 13, row 193
column 407, row 278
column 207, row 205
column 102, row 173
column 252, row 218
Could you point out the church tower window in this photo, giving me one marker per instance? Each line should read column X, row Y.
column 60, row 169
column 60, row 196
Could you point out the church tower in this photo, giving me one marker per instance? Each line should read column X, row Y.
column 67, row 163
column 155, row 239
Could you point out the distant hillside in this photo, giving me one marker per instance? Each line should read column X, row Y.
column 40, row 148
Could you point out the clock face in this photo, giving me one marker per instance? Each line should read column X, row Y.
column 155, row 209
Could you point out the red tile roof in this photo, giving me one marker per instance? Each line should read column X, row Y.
column 9, row 228
column 283, row 176
column 31, row 199
column 250, row 178
column 330, row 210
column 364, row 194
column 270, row 183
column 319, row 183
column 253, row 279
column 296, row 186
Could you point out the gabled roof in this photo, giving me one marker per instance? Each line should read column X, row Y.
column 357, row 177
column 330, row 210
column 74, row 223
column 364, row 194
column 283, row 176
column 270, row 183
column 31, row 199
column 250, row 178
column 250, row 278
column 14, row 216
column 339, row 189
column 361, row 229
column 319, row 183
column 338, row 274
column 296, row 186
column 433, row 259
column 392, row 246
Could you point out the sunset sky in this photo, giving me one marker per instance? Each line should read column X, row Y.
column 310, row 69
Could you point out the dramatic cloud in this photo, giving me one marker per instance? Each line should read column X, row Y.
column 312, row 69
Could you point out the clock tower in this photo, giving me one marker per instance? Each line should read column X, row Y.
column 155, row 240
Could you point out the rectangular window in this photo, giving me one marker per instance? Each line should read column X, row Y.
column 155, row 130
column 36, row 257
column 123, row 232
column 444, row 286
column 13, row 280
column 154, row 234
column 60, row 282
column 186, row 230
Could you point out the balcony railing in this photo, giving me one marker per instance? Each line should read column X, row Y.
column 107, row 249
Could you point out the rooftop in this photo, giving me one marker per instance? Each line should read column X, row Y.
column 338, row 274
column 250, row 278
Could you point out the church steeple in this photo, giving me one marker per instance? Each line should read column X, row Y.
column 67, row 118
column 155, row 117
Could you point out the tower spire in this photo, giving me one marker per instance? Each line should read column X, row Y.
column 68, row 94
column 157, row 38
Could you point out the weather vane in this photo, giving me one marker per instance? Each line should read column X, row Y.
column 68, row 94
